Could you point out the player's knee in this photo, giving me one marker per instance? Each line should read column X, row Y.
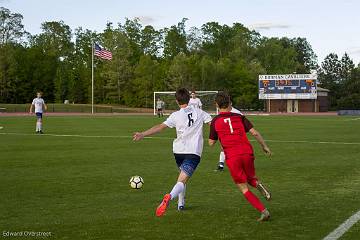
column 183, row 180
column 243, row 187
column 183, row 177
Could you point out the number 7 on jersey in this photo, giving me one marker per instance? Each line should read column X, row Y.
column 228, row 120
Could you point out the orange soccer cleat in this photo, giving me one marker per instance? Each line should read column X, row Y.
column 161, row 209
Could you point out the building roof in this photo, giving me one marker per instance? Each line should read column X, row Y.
column 320, row 89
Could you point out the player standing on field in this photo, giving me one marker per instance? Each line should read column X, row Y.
column 39, row 104
column 230, row 129
column 187, row 146
column 159, row 107
column 222, row 154
column 195, row 101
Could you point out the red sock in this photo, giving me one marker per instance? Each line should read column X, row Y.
column 253, row 182
column 254, row 201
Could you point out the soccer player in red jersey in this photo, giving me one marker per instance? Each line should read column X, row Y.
column 230, row 129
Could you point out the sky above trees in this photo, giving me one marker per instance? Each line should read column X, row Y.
column 329, row 25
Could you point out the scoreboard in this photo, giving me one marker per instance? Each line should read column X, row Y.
column 288, row 86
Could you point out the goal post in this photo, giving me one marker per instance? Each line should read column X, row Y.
column 168, row 97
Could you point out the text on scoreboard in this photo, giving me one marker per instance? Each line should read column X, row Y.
column 288, row 86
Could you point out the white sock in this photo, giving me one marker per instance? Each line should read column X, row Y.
column 181, row 200
column 177, row 189
column 222, row 158
column 40, row 126
column 37, row 126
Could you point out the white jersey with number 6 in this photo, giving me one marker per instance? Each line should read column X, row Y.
column 38, row 103
column 189, row 123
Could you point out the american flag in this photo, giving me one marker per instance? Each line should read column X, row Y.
column 101, row 52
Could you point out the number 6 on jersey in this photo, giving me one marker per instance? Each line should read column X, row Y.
column 228, row 120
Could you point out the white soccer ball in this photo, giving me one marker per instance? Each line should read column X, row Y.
column 136, row 182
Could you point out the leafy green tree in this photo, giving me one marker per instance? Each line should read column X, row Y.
column 55, row 48
column 213, row 57
column 350, row 98
column 11, row 26
column 347, row 66
column 151, row 41
column 175, row 41
column 334, row 74
column 277, row 56
column 178, row 74
column 117, row 72
column 305, row 55
column 146, row 77
column 133, row 31
column 11, row 33
column 216, row 39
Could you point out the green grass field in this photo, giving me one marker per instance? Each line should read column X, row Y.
column 77, row 187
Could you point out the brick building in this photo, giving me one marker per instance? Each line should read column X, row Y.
column 320, row 104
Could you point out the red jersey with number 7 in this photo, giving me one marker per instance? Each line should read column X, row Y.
column 230, row 129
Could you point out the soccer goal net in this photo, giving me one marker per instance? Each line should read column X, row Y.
column 207, row 99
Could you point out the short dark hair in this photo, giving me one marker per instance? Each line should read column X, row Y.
column 182, row 95
column 223, row 99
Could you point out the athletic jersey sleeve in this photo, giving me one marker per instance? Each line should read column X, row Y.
column 33, row 102
column 170, row 121
column 247, row 124
column 213, row 134
column 206, row 117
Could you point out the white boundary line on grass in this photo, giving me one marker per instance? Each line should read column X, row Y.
column 352, row 119
column 123, row 136
column 344, row 227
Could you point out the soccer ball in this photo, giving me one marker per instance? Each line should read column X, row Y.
column 136, row 182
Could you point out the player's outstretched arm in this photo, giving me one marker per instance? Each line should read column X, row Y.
column 260, row 140
column 155, row 129
column 45, row 107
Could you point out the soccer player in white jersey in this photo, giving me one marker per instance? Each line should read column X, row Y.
column 159, row 107
column 195, row 101
column 39, row 104
column 187, row 146
column 222, row 154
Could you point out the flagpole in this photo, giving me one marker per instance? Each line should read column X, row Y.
column 92, row 78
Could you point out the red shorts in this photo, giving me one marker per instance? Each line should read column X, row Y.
column 242, row 168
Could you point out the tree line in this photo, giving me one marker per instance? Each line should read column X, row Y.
column 57, row 61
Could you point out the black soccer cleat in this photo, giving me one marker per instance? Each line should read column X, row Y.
column 220, row 168
column 264, row 191
column 181, row 208
column 41, row 132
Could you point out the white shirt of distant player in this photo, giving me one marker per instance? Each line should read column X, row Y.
column 159, row 104
column 196, row 102
column 234, row 110
column 189, row 123
column 38, row 103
